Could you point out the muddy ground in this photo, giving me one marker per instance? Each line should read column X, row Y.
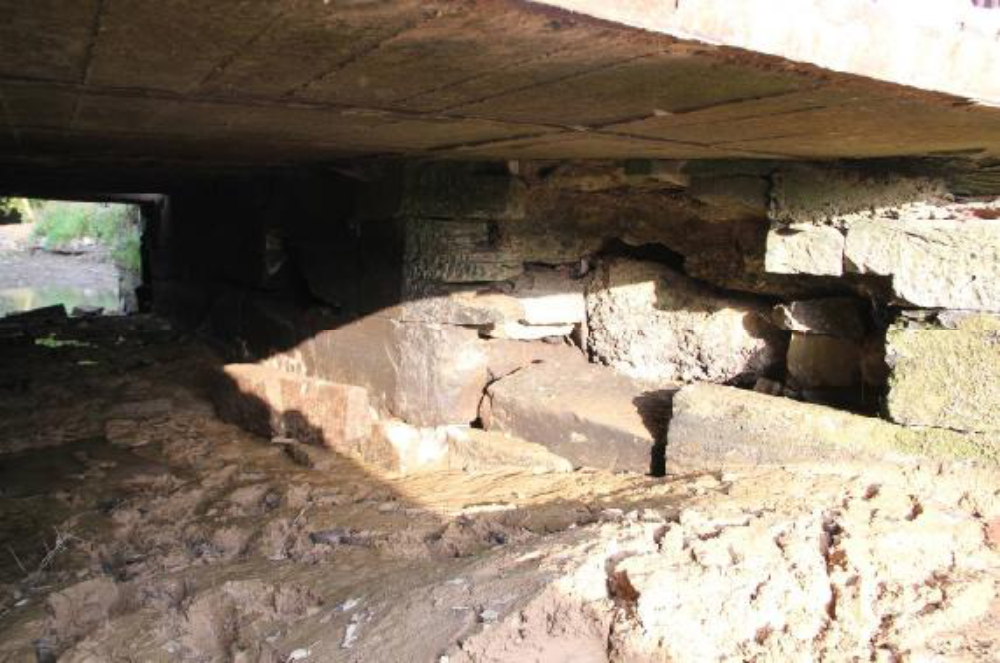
column 34, row 278
column 136, row 526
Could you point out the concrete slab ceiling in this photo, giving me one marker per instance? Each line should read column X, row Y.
column 187, row 83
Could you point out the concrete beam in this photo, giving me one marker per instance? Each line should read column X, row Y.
column 294, row 82
column 943, row 45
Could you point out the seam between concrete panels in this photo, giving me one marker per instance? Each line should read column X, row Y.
column 553, row 81
column 352, row 58
column 239, row 51
column 88, row 58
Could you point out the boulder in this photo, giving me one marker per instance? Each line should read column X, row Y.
column 832, row 316
column 715, row 427
column 653, row 323
column 75, row 611
column 946, row 378
column 270, row 402
column 951, row 263
column 804, row 249
column 588, row 414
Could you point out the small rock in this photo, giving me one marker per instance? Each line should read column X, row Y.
column 768, row 386
column 341, row 536
column 993, row 533
column 309, row 456
column 350, row 636
column 86, row 311
column 611, row 515
column 349, row 604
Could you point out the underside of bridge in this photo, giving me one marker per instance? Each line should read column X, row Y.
column 484, row 271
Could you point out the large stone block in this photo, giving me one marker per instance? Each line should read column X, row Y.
column 653, row 323
column 816, row 361
column 947, row 378
column 539, row 303
column 714, row 427
column 474, row 450
column 425, row 374
column 840, row 196
column 935, row 263
column 805, row 249
column 587, row 414
column 455, row 251
column 270, row 402
column 398, row 447
column 506, row 356
column 550, row 297
column 456, row 190
column 936, row 253
column 441, row 373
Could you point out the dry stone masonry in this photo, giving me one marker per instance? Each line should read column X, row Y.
column 481, row 307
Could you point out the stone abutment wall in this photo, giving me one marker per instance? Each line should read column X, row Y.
column 596, row 313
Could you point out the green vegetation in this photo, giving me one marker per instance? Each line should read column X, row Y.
column 51, row 341
column 114, row 226
column 16, row 210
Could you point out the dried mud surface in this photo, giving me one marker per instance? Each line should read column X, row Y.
column 135, row 526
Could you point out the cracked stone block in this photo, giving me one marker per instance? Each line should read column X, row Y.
column 271, row 402
column 804, row 249
column 398, row 447
column 947, row 378
column 715, row 427
column 588, row 414
column 474, row 450
column 653, row 323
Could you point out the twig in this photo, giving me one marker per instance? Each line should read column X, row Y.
column 291, row 529
column 61, row 543
column 19, row 564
